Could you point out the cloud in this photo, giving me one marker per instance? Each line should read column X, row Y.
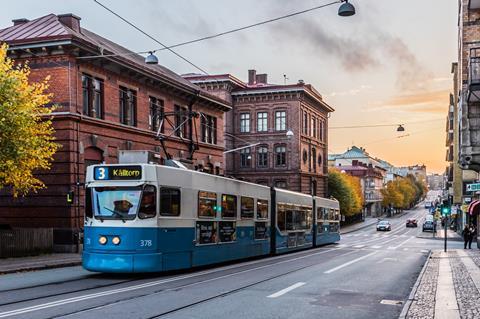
column 419, row 102
column 374, row 49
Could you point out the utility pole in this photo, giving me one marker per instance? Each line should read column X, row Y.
column 445, row 215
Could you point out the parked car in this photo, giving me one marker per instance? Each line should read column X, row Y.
column 384, row 225
column 411, row 222
column 429, row 225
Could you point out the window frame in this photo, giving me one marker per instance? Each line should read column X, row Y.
column 245, row 162
column 278, row 120
column 257, row 212
column 245, row 122
column 156, row 109
column 284, row 156
column 128, row 106
column 91, row 95
column 155, row 202
column 262, row 122
column 262, row 154
column 181, row 116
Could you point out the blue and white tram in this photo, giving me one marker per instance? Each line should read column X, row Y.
column 151, row 218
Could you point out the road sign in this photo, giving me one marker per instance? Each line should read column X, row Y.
column 473, row 187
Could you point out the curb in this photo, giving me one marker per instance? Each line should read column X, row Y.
column 40, row 267
column 411, row 297
column 351, row 231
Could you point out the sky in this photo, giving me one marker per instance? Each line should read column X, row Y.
column 388, row 64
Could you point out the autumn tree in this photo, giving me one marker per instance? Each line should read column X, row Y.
column 26, row 133
column 347, row 190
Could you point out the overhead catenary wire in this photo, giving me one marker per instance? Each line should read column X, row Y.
column 150, row 36
column 216, row 35
column 385, row 125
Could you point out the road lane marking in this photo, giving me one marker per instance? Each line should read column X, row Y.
column 358, row 246
column 147, row 285
column 402, row 243
column 376, row 247
column 284, row 291
column 349, row 263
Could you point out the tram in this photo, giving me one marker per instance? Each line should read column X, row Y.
column 153, row 218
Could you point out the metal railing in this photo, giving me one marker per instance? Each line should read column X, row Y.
column 25, row 242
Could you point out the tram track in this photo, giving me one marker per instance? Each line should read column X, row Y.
column 308, row 254
column 204, row 300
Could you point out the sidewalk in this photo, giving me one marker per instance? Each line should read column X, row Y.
column 451, row 235
column 369, row 221
column 11, row 265
column 447, row 287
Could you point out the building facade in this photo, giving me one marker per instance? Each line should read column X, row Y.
column 276, row 135
column 356, row 161
column 105, row 105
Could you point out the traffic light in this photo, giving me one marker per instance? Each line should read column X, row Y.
column 445, row 209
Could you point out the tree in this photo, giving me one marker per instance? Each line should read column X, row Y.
column 347, row 190
column 26, row 133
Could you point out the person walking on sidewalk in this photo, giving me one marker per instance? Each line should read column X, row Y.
column 466, row 236
column 473, row 234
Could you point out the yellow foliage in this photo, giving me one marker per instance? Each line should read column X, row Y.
column 26, row 134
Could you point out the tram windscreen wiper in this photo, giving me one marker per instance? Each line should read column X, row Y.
column 116, row 213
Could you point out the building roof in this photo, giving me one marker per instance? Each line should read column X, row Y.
column 355, row 152
column 50, row 28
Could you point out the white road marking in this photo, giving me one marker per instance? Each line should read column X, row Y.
column 366, row 235
column 147, row 285
column 284, row 291
column 349, row 263
column 342, row 246
column 358, row 246
column 402, row 243
column 376, row 247
column 405, row 249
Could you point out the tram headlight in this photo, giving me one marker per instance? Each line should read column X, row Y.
column 102, row 240
column 116, row 240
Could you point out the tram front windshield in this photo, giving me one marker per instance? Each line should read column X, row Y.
column 116, row 202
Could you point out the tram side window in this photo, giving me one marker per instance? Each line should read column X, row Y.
column 88, row 203
column 281, row 217
column 247, row 207
column 207, row 203
column 262, row 209
column 292, row 217
column 148, row 206
column 229, row 206
column 169, row 201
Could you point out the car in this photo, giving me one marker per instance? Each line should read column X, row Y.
column 411, row 222
column 384, row 225
column 428, row 205
column 429, row 225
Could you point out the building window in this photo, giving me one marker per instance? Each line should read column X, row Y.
column 245, row 157
column 320, row 135
column 208, row 126
column 314, row 159
column 262, row 156
column 128, row 106
column 92, row 91
column 280, row 121
column 156, row 114
column 305, row 123
column 280, row 156
column 244, row 122
column 181, row 121
column 314, row 127
column 262, row 122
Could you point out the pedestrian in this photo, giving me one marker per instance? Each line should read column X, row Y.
column 473, row 234
column 466, row 236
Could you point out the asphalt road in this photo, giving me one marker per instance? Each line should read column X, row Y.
column 367, row 275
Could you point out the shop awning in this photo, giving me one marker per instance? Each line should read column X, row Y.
column 472, row 206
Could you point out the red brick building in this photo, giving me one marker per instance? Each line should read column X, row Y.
column 106, row 104
column 262, row 115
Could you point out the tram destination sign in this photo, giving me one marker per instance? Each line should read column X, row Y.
column 473, row 187
column 106, row 173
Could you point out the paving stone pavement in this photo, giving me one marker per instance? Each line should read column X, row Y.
column 466, row 292
column 423, row 306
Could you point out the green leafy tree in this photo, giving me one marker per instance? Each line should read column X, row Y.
column 26, row 133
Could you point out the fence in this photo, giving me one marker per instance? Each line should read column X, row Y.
column 25, row 242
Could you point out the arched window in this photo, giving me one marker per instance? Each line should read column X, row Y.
column 280, row 155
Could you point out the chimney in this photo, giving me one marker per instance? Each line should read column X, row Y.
column 252, row 77
column 301, row 82
column 19, row 21
column 261, row 78
column 70, row 20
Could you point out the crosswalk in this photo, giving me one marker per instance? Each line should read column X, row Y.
column 375, row 247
